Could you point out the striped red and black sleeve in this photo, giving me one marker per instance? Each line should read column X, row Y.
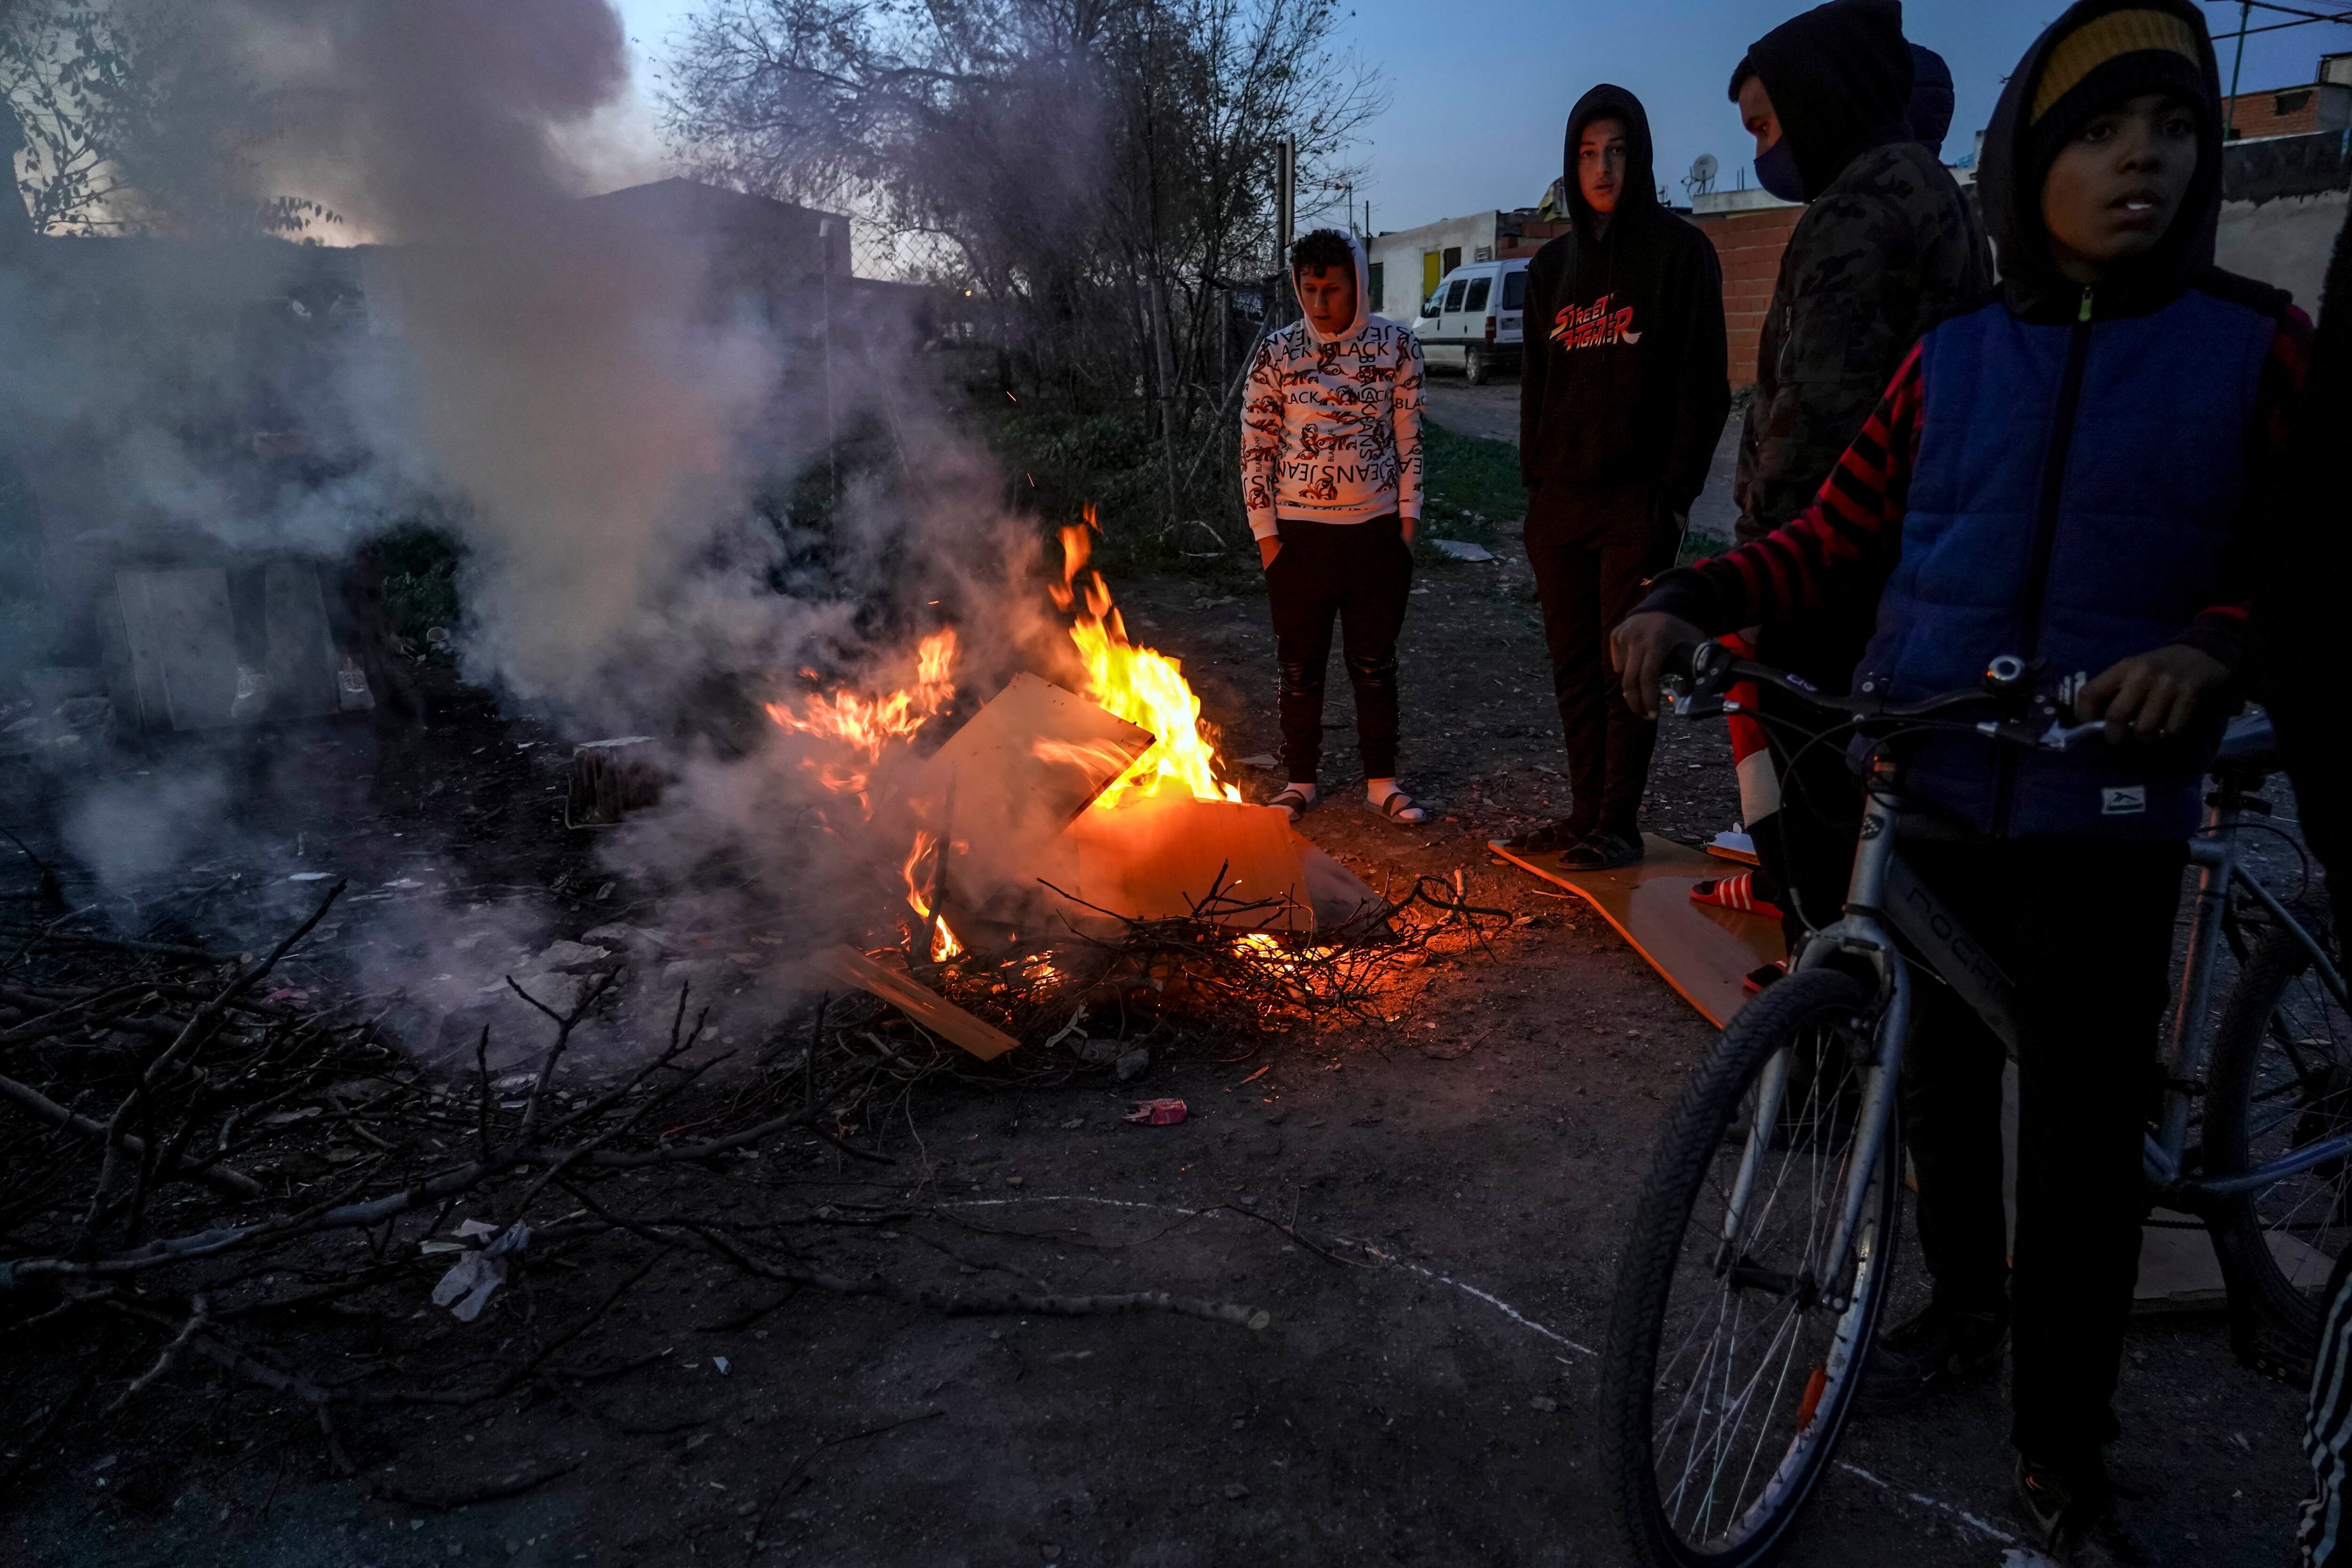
column 2222, row 630
column 1840, row 545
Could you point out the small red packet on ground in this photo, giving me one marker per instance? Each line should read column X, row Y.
column 1156, row 1112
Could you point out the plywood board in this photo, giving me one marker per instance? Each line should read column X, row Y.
column 301, row 659
column 1704, row 952
column 1007, row 783
column 917, row 1001
column 183, row 646
column 1161, row 857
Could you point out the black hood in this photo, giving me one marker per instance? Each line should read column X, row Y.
column 2019, row 146
column 1639, row 195
column 1932, row 100
column 1840, row 78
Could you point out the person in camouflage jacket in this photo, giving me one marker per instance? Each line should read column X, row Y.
column 1887, row 244
column 1886, row 247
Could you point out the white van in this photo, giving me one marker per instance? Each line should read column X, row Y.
column 1471, row 323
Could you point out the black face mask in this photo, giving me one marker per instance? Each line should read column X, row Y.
column 1775, row 171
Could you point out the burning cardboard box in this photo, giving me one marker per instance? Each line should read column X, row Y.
column 1051, row 812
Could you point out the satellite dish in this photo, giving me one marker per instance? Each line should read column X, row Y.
column 1703, row 168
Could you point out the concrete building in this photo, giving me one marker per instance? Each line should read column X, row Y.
column 1406, row 263
column 2325, row 104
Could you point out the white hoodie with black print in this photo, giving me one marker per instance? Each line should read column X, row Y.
column 1331, row 426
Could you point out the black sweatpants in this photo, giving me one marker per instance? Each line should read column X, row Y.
column 1360, row 572
column 2083, row 929
column 1587, row 582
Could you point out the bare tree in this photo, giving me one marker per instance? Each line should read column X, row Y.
column 1098, row 173
column 136, row 116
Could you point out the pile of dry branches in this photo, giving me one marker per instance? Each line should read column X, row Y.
column 196, row 1173
column 1228, row 968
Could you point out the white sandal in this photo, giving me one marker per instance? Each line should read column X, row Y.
column 1401, row 808
column 1295, row 803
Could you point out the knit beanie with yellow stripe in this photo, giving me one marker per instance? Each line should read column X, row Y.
column 2112, row 50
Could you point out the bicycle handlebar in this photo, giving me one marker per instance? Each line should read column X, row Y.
column 1704, row 670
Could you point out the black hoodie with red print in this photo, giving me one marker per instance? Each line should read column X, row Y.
column 1624, row 388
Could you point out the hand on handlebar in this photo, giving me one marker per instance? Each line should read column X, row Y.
column 2152, row 695
column 1639, row 649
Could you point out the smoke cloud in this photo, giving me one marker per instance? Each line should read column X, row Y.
column 600, row 414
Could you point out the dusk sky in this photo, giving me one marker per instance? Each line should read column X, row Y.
column 1478, row 97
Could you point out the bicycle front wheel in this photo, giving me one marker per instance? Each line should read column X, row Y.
column 1736, row 1341
column 2282, row 1081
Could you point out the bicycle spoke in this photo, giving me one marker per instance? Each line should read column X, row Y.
column 1745, row 1332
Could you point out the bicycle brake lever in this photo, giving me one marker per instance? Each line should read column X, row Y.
column 2063, row 737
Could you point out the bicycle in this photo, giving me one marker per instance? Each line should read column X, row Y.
column 1762, row 1247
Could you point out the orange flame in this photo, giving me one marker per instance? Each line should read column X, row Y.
column 866, row 726
column 1140, row 685
column 944, row 944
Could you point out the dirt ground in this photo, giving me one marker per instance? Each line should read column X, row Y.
column 1424, row 1391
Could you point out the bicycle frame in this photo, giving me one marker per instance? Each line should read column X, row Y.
column 1883, row 892
column 2214, row 853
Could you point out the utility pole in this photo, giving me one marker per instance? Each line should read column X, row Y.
column 1286, row 199
column 825, row 288
column 1286, row 220
column 2230, row 117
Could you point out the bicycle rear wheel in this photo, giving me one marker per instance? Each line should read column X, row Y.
column 2282, row 1081
column 1729, row 1372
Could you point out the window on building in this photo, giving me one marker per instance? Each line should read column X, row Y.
column 1479, row 288
column 1453, row 256
column 1515, row 288
column 1454, row 294
column 1379, row 271
column 2292, row 101
column 1483, row 253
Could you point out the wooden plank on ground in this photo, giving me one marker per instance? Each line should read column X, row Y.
column 1702, row 951
column 183, row 645
column 917, row 1001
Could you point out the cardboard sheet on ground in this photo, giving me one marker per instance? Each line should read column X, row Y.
column 1702, row 951
column 919, row 1002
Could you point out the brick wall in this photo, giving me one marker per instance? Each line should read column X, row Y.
column 1748, row 246
column 2251, row 114
column 1533, row 235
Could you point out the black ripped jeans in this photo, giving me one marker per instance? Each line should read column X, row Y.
column 1360, row 573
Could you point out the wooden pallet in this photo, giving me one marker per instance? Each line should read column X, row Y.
column 1700, row 951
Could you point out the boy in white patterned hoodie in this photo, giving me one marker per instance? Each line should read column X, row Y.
column 1331, row 476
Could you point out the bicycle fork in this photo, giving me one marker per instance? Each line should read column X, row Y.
column 1858, row 935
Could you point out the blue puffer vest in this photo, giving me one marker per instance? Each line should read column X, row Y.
column 2076, row 500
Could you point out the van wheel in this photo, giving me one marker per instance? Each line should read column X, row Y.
column 1474, row 366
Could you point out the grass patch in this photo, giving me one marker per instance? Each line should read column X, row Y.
column 1470, row 484
column 420, row 580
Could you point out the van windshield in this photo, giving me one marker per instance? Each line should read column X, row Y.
column 1479, row 288
column 1515, row 288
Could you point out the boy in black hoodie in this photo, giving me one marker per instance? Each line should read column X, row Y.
column 2074, row 473
column 1623, row 395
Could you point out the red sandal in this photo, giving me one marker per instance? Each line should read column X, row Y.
column 1734, row 893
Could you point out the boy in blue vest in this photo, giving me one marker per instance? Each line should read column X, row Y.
column 2067, row 472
